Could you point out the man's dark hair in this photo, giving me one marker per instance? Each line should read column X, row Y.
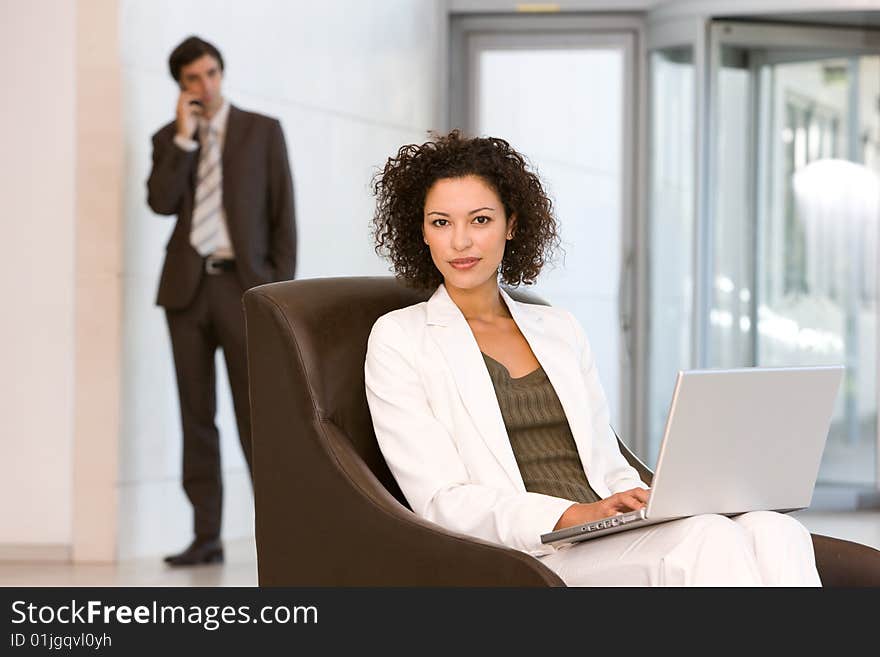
column 189, row 51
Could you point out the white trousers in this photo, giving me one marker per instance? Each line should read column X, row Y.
column 760, row 548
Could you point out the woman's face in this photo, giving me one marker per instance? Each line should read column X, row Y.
column 466, row 229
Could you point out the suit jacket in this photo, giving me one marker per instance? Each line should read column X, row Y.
column 257, row 197
column 440, row 428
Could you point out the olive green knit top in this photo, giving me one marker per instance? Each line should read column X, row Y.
column 539, row 434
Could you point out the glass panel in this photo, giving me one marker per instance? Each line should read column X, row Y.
column 563, row 109
column 730, row 288
column 671, row 221
column 817, row 291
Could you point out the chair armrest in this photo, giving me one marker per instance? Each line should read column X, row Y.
column 395, row 547
column 645, row 473
column 846, row 563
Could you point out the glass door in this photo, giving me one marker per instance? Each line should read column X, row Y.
column 794, row 178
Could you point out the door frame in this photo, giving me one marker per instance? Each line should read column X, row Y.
column 626, row 30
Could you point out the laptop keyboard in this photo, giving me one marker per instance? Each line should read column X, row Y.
column 613, row 521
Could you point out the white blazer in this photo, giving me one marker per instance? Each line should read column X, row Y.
column 440, row 429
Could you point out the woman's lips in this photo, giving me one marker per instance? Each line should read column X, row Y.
column 464, row 263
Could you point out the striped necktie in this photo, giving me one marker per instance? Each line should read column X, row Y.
column 209, row 195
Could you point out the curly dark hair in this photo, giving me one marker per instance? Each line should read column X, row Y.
column 402, row 186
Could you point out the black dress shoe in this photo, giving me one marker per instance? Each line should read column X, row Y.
column 200, row 551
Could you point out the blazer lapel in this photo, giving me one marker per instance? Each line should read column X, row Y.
column 456, row 340
column 452, row 334
column 234, row 133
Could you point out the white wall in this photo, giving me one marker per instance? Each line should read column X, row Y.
column 351, row 81
column 37, row 185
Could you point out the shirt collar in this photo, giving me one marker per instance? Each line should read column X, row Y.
column 218, row 121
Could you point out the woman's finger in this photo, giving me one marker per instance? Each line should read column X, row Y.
column 641, row 494
column 631, row 501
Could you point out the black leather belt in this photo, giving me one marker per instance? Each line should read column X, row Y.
column 217, row 265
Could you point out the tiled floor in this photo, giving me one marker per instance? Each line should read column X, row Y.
column 240, row 568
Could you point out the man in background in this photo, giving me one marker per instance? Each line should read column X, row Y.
column 224, row 173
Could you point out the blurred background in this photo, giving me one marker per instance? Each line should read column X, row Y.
column 713, row 164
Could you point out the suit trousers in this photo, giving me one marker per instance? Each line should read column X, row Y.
column 215, row 318
column 760, row 548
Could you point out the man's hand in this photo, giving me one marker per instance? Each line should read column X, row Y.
column 628, row 500
column 188, row 114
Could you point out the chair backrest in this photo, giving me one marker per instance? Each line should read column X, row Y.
column 315, row 455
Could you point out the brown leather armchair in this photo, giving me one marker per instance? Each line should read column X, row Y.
column 328, row 511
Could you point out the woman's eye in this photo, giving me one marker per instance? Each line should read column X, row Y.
column 437, row 222
column 482, row 219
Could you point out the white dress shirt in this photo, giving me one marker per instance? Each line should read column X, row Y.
column 218, row 122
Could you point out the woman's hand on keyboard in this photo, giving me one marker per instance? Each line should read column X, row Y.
column 628, row 500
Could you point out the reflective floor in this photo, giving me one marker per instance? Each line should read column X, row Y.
column 240, row 568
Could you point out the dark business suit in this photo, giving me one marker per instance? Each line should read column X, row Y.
column 204, row 311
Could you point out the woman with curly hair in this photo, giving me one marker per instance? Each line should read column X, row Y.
column 490, row 413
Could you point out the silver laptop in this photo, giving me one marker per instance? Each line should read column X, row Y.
column 735, row 441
